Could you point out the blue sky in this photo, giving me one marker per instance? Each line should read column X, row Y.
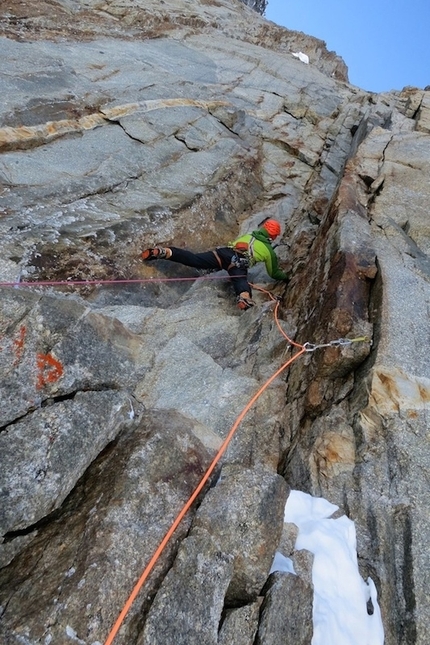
column 384, row 43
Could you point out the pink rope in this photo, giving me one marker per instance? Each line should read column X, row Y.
column 65, row 283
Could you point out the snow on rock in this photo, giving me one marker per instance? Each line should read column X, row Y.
column 341, row 596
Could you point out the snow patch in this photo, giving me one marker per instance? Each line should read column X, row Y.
column 341, row 596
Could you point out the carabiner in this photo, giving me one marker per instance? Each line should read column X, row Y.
column 310, row 347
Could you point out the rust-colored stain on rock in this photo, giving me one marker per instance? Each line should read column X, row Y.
column 394, row 390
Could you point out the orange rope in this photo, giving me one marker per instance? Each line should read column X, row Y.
column 272, row 297
column 200, row 486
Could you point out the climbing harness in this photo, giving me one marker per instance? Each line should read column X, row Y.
column 218, row 259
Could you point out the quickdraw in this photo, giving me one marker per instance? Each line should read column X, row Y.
column 339, row 342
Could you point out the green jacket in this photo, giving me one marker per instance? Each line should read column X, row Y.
column 260, row 250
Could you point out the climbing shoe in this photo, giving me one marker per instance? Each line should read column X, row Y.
column 156, row 253
column 244, row 301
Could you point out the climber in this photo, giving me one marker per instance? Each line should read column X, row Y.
column 235, row 258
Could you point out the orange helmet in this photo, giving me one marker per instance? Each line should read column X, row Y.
column 272, row 227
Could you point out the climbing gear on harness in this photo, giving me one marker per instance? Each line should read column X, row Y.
column 156, row 253
column 242, row 258
column 240, row 261
column 244, row 301
column 218, row 259
column 272, row 227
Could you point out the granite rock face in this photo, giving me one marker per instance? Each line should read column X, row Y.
column 125, row 124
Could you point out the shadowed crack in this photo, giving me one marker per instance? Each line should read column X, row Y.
column 416, row 114
column 57, row 399
column 187, row 145
column 292, row 150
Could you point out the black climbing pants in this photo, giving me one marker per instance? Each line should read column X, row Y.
column 208, row 260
